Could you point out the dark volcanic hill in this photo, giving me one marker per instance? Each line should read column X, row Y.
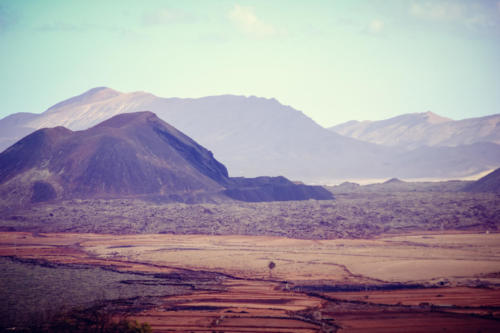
column 488, row 183
column 129, row 155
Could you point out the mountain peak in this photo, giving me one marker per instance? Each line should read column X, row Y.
column 125, row 119
column 394, row 181
column 140, row 156
column 90, row 96
column 96, row 90
column 433, row 118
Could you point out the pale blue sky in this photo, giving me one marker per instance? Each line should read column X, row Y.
column 333, row 60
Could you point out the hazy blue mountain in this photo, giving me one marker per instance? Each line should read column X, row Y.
column 423, row 129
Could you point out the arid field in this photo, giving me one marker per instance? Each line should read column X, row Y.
column 199, row 283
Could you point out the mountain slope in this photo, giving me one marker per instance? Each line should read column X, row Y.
column 423, row 129
column 14, row 127
column 129, row 155
column 488, row 183
column 258, row 136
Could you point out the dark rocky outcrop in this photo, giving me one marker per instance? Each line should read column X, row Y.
column 273, row 189
column 43, row 191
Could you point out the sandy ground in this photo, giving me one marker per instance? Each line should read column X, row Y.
column 396, row 259
column 367, row 181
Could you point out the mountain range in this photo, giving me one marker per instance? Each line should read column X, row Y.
column 258, row 136
column 423, row 129
column 128, row 156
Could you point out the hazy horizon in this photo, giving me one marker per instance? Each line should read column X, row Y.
column 248, row 96
column 334, row 61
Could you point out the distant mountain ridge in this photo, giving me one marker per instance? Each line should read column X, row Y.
column 258, row 136
column 128, row 155
column 423, row 129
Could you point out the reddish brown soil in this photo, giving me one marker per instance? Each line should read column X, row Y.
column 379, row 322
column 458, row 296
column 246, row 306
column 254, row 301
column 456, row 309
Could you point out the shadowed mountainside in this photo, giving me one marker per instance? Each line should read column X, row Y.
column 129, row 155
column 488, row 183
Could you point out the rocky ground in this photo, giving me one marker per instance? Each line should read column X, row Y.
column 353, row 214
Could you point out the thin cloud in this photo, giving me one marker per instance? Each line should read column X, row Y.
column 439, row 11
column 472, row 15
column 158, row 17
column 165, row 16
column 246, row 20
column 376, row 26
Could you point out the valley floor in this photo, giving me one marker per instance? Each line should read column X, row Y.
column 424, row 282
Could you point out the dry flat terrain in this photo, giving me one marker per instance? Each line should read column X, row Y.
column 420, row 283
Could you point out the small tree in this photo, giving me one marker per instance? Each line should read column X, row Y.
column 271, row 266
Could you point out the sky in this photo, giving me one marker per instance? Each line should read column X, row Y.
column 333, row 60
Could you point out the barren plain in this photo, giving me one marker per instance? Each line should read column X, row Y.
column 382, row 258
column 200, row 283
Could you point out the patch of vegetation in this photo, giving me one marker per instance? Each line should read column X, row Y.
column 33, row 293
column 99, row 318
